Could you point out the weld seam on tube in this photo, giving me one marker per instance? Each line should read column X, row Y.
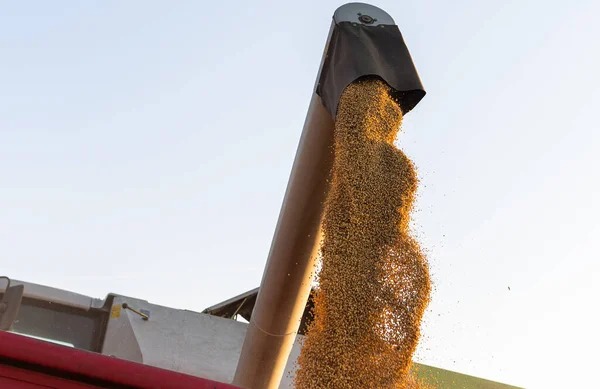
column 270, row 334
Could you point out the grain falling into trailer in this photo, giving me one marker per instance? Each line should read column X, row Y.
column 374, row 282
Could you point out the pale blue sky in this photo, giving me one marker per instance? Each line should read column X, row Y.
column 145, row 148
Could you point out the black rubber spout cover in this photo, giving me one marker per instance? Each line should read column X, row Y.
column 356, row 51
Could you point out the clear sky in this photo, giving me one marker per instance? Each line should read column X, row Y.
column 145, row 148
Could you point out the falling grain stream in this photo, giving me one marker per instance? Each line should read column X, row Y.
column 373, row 285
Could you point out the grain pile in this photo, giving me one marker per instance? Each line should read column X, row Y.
column 374, row 280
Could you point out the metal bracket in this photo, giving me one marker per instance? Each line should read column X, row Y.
column 145, row 315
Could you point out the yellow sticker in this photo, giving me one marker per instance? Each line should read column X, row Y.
column 115, row 311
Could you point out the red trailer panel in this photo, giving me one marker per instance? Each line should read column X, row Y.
column 27, row 363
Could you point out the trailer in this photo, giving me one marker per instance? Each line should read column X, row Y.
column 62, row 339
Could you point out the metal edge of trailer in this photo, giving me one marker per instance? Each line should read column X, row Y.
column 30, row 363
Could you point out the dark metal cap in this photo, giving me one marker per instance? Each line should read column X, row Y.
column 366, row 42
